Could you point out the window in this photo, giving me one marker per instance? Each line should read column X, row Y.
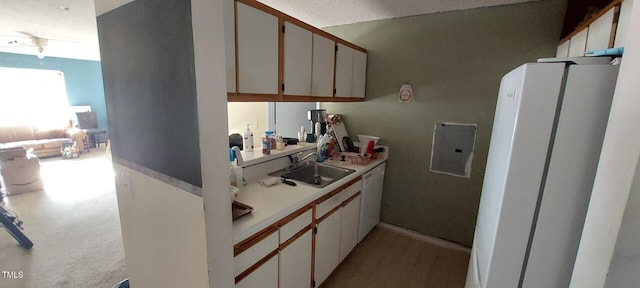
column 33, row 97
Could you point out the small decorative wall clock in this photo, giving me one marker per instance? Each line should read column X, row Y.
column 406, row 93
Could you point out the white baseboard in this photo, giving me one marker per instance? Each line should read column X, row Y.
column 426, row 238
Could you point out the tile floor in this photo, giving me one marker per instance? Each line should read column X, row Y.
column 387, row 258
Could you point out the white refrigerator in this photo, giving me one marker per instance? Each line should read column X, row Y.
column 547, row 135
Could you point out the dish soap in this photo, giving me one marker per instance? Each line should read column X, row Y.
column 235, row 171
column 322, row 148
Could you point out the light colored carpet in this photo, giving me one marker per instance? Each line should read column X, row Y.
column 73, row 224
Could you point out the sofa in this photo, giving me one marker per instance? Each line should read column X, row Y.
column 45, row 142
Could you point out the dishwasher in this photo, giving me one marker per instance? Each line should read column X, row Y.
column 371, row 200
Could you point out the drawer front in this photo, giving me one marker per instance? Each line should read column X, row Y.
column 256, row 252
column 337, row 199
column 350, row 191
column 296, row 225
column 326, row 206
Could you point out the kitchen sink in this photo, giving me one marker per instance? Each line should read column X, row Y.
column 315, row 174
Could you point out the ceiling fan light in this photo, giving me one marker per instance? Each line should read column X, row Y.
column 40, row 53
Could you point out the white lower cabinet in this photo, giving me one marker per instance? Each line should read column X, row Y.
column 285, row 257
column 266, row 276
column 255, row 253
column 327, row 256
column 337, row 234
column 349, row 226
column 295, row 263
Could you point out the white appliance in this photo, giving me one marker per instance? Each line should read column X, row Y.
column 547, row 134
column 371, row 200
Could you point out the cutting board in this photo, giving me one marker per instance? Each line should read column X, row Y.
column 341, row 131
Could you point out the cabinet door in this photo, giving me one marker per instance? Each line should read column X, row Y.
column 322, row 67
column 349, row 226
column 359, row 74
column 230, row 43
column 298, row 45
column 344, row 70
column 563, row 49
column 623, row 23
column 578, row 43
column 257, row 51
column 371, row 200
column 295, row 263
column 327, row 254
column 255, row 253
column 599, row 35
column 266, row 276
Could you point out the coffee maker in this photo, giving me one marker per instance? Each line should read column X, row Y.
column 318, row 116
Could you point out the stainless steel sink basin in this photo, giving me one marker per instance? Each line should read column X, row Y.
column 315, row 174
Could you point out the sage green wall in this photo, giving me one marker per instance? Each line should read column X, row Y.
column 454, row 61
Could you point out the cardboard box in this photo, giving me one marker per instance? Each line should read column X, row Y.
column 21, row 175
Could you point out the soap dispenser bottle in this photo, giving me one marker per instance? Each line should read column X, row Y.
column 247, row 140
column 322, row 148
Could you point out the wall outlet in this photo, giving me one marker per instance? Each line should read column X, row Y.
column 126, row 183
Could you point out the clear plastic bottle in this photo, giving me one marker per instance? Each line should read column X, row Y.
column 279, row 142
column 302, row 137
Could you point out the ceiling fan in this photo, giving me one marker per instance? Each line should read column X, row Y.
column 28, row 41
column 38, row 43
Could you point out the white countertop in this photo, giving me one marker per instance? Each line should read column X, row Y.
column 271, row 204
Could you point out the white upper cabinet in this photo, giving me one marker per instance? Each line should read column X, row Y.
column 599, row 34
column 230, row 43
column 322, row 69
column 351, row 72
column 563, row 49
column 298, row 47
column 271, row 57
column 359, row 74
column 623, row 23
column 344, row 70
column 578, row 43
column 257, row 50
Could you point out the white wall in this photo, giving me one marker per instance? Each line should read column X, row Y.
column 616, row 170
column 174, row 238
column 163, row 231
column 243, row 113
column 210, row 67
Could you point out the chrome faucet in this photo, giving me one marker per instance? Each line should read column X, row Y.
column 296, row 160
